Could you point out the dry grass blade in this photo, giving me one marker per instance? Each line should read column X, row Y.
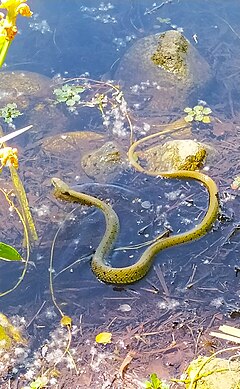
column 161, row 278
column 7, row 137
column 230, row 333
column 225, row 337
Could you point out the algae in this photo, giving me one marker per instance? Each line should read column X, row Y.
column 216, row 373
column 171, row 53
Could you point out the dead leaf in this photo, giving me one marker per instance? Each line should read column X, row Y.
column 104, row 337
column 128, row 359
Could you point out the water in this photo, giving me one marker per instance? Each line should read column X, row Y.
column 88, row 38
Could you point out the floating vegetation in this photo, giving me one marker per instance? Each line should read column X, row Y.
column 10, row 112
column 164, row 20
column 69, row 94
column 108, row 99
column 199, row 113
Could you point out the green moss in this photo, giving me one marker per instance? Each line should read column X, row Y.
column 215, row 373
column 194, row 162
column 171, row 55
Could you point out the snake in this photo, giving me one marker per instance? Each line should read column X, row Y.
column 130, row 274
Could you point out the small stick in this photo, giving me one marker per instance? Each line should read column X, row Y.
column 162, row 280
column 34, row 317
column 150, row 11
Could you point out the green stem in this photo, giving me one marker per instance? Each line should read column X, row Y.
column 3, row 51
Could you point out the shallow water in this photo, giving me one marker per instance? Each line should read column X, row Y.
column 88, row 38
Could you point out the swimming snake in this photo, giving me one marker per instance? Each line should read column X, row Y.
column 132, row 273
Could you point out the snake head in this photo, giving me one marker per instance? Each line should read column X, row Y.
column 59, row 185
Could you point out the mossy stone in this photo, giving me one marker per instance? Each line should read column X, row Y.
column 183, row 154
column 159, row 72
column 216, row 373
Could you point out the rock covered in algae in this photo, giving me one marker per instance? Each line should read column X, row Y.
column 216, row 373
column 105, row 162
column 88, row 153
column 160, row 71
column 32, row 92
column 23, row 87
column 177, row 154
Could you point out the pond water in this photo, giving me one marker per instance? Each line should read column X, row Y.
column 164, row 318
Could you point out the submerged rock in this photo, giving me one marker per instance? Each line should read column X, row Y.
column 23, row 87
column 160, row 71
column 67, row 142
column 213, row 373
column 104, row 163
column 176, row 155
column 32, row 92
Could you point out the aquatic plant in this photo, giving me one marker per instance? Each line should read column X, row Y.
column 69, row 94
column 198, row 113
column 155, row 383
column 9, row 112
column 164, row 20
column 9, row 155
column 108, row 99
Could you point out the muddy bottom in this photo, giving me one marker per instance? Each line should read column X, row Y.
column 164, row 344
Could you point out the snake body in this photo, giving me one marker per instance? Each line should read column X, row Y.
column 132, row 273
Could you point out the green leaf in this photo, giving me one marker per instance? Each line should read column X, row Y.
column 199, row 117
column 188, row 110
column 164, row 20
column 198, row 108
column 79, row 89
column 57, row 91
column 188, row 118
column 70, row 103
column 9, row 253
column 206, row 119
column 155, row 381
column 61, row 98
column 76, row 98
column 66, row 87
column 148, row 385
column 207, row 111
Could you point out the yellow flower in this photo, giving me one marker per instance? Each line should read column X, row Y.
column 15, row 7
column 8, row 28
column 24, row 10
column 11, row 31
column 8, row 156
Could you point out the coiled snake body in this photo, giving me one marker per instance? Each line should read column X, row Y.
column 130, row 274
